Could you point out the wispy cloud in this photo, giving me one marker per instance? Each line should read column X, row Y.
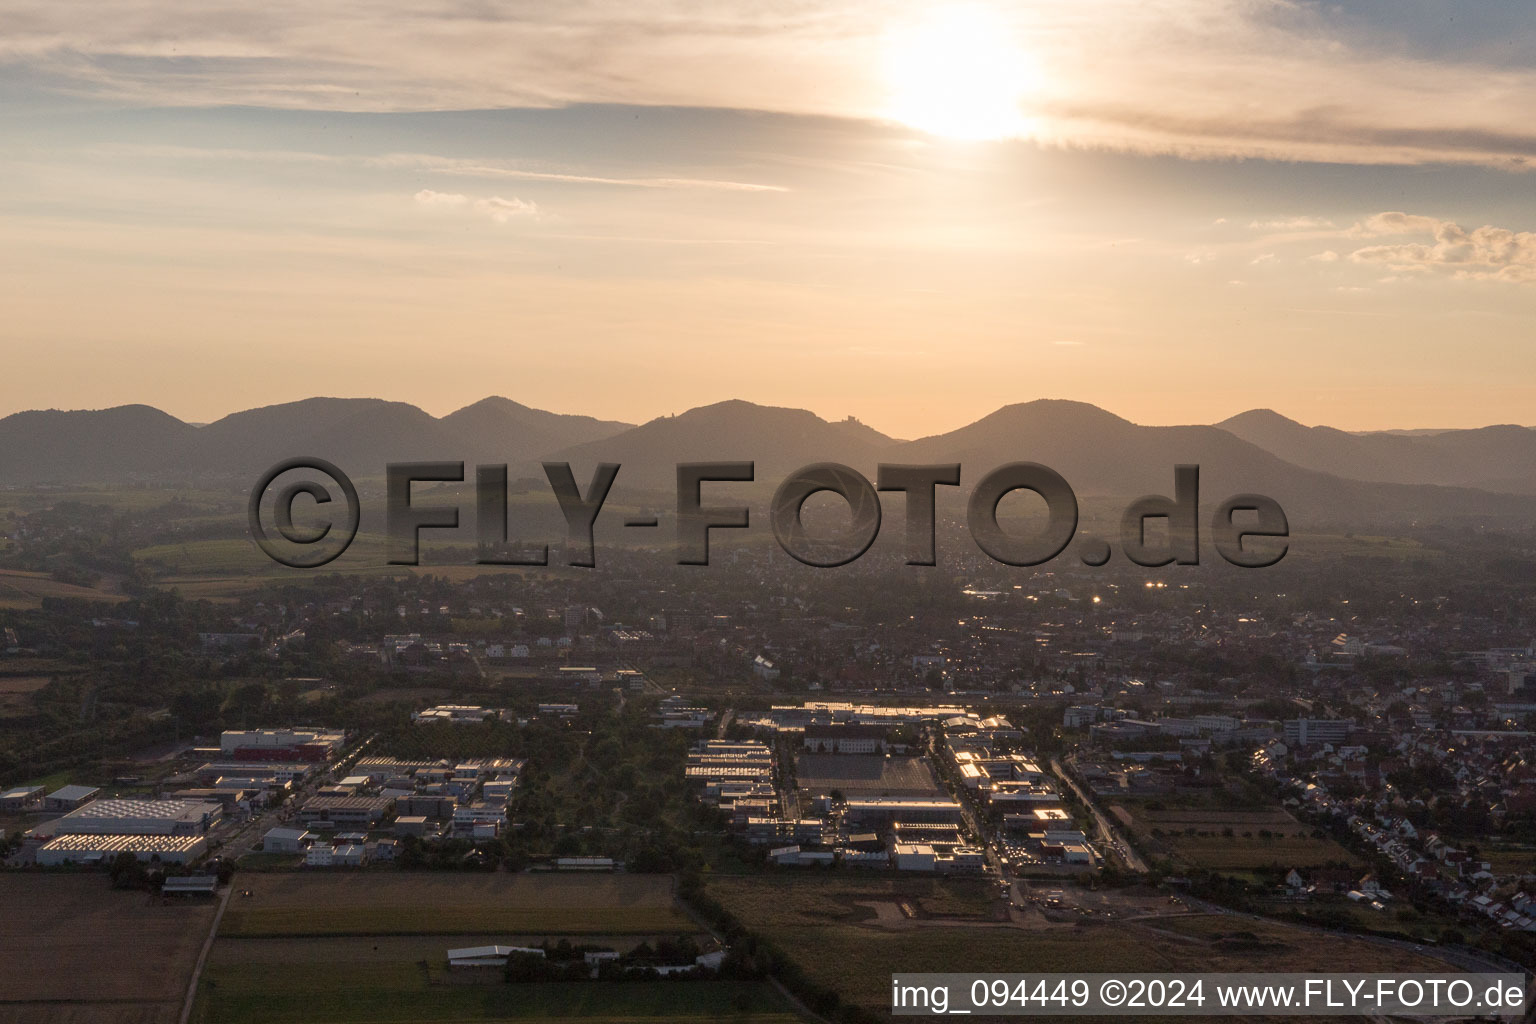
column 496, row 208
column 1291, row 224
column 1196, row 78
column 481, row 169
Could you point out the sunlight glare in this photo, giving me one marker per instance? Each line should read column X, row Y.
column 956, row 74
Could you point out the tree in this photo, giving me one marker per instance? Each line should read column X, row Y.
column 127, row 872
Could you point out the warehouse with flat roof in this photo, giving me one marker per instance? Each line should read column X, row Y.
column 888, row 810
column 93, row 849
column 68, row 798
column 139, row 817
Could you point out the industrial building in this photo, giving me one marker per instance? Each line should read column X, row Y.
column 844, row 739
column 359, row 811
column 69, row 797
column 342, row 855
column 488, row 956
column 22, row 798
column 190, row 885
column 98, row 849
column 139, row 818
column 883, row 811
column 301, row 744
column 456, row 714
column 286, row 840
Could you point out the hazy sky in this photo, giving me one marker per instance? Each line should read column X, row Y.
column 912, row 213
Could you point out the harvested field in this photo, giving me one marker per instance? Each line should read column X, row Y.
column 16, row 693
column 831, row 931
column 27, row 589
column 79, row 951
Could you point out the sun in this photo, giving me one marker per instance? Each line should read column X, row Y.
column 956, row 74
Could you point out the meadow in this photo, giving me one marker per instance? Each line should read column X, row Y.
column 348, row 949
column 1223, row 840
column 301, row 990
column 406, row 903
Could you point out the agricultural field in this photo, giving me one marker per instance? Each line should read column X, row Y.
column 1232, row 943
column 1223, row 840
column 20, row 589
column 1509, row 860
column 16, row 693
column 392, row 966
column 395, row 991
column 407, row 903
column 865, row 774
column 77, row 950
column 795, row 899
column 839, row 932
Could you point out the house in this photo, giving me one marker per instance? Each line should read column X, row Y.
column 349, row 855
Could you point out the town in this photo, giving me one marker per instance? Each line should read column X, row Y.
column 664, row 779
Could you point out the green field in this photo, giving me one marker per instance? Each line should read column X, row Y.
column 452, row 919
column 403, row 903
column 406, row 992
column 1199, row 838
column 365, row 947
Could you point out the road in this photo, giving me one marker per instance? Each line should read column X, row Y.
column 1109, row 835
column 974, row 819
column 202, row 956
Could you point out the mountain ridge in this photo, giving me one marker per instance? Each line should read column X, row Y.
column 1460, row 471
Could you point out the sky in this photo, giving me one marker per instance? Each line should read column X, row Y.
column 909, row 213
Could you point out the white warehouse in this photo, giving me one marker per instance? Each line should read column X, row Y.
column 139, row 818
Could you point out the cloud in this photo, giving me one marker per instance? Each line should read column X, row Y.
column 1277, row 79
column 502, row 210
column 1395, row 223
column 427, row 197
column 1263, row 258
column 1327, row 256
column 1292, row 224
column 1485, row 253
column 481, row 169
column 496, row 208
